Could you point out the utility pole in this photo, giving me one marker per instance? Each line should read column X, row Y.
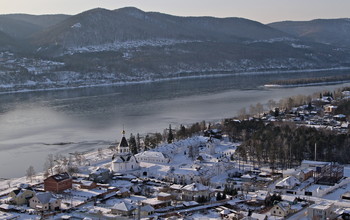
column 315, row 152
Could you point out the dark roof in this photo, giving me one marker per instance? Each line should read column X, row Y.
column 123, row 142
column 16, row 191
column 60, row 177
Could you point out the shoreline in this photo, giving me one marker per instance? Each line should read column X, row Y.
column 305, row 84
column 201, row 76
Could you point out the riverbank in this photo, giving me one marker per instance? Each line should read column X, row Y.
column 330, row 80
column 219, row 74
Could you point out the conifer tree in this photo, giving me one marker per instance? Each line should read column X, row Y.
column 170, row 135
column 132, row 144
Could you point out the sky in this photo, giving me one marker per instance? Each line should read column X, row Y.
column 264, row 11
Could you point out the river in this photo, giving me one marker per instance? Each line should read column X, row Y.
column 34, row 123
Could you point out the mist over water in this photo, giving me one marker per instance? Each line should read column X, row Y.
column 34, row 124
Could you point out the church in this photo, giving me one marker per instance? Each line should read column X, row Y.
column 123, row 160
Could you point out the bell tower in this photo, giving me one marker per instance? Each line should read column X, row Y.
column 123, row 147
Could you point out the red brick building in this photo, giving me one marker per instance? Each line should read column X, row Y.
column 58, row 183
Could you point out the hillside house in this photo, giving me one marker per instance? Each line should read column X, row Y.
column 124, row 209
column 100, row 175
column 86, row 184
column 58, row 183
column 281, row 209
column 288, row 183
column 163, row 200
column 21, row 196
column 146, row 211
column 44, row 201
column 193, row 191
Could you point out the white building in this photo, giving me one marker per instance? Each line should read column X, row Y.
column 320, row 211
column 211, row 146
column 44, row 201
column 123, row 160
column 152, row 157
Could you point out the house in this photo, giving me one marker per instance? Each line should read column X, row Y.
column 260, row 197
column 164, row 196
column 123, row 160
column 193, row 191
column 21, row 196
column 146, row 211
column 253, row 216
column 248, row 178
column 123, row 193
column 85, row 184
column 124, row 209
column 156, row 203
column 176, row 190
column 281, row 209
column 304, row 174
column 321, row 211
column 100, row 175
column 301, row 174
column 288, row 183
column 215, row 133
column 163, row 200
column 58, row 183
column 152, row 157
column 44, row 201
column 292, row 200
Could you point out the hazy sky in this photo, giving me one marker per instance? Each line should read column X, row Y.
column 264, row 11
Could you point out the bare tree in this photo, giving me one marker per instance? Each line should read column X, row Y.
column 50, row 163
column 259, row 108
column 271, row 104
column 100, row 153
column 30, row 173
column 242, row 114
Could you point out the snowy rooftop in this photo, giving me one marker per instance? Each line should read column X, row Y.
column 151, row 154
column 289, row 181
column 195, row 187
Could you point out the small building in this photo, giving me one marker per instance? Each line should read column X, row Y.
column 176, row 190
column 152, row 157
column 164, row 196
column 123, row 193
column 21, row 196
column 321, row 211
column 193, row 191
column 44, row 201
column 248, row 178
column 260, row 197
column 146, row 210
column 58, row 183
column 124, row 209
column 292, row 200
column 156, row 203
column 281, row 209
column 100, row 175
column 288, row 183
column 85, row 184
column 302, row 174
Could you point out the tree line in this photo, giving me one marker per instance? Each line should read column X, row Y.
column 285, row 145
